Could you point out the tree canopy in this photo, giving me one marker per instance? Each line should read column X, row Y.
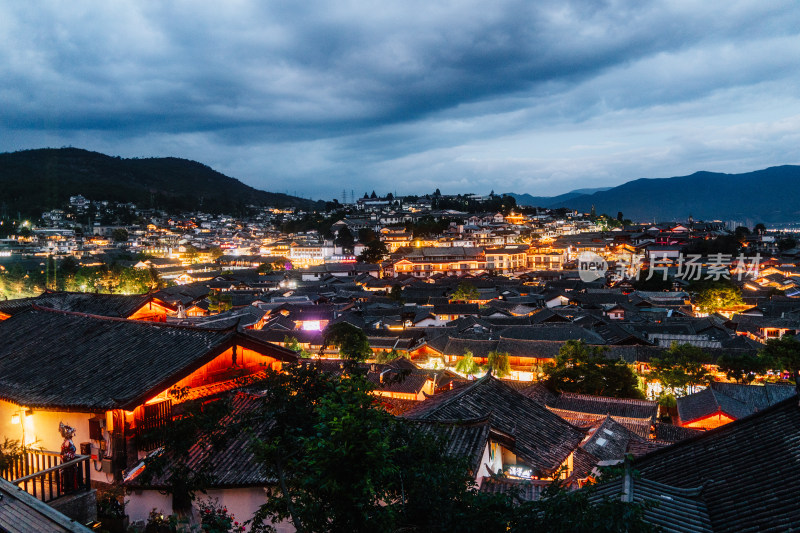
column 718, row 296
column 742, row 368
column 465, row 292
column 680, row 368
column 342, row 463
column 351, row 341
column 467, row 365
column 219, row 302
column 585, row 369
column 374, row 252
column 784, row 355
column 498, row 364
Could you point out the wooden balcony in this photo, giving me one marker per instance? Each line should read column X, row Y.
column 42, row 474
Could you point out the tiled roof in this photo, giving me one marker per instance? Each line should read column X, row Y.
column 541, row 438
column 539, row 393
column 672, row 433
column 111, row 305
column 458, row 438
column 602, row 405
column 674, row 509
column 456, row 309
column 610, row 440
column 734, row 400
column 396, row 406
column 553, row 332
column 388, row 380
column 638, row 426
column 749, row 470
column 22, row 512
column 233, row 464
column 68, row 360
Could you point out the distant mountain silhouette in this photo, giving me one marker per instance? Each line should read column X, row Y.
column 545, row 201
column 769, row 195
column 33, row 181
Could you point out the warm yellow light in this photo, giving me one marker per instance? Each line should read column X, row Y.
column 15, row 418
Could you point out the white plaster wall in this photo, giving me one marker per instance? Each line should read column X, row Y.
column 242, row 503
column 41, row 431
column 139, row 503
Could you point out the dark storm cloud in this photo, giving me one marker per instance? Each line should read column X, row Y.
column 329, row 95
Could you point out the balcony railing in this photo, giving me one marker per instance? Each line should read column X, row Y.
column 42, row 474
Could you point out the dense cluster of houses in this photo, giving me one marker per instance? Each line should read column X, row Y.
column 106, row 365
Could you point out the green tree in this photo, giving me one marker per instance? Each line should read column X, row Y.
column 139, row 281
column 216, row 252
column 341, row 463
column 786, row 243
column 322, row 426
column 467, row 365
column 367, row 235
column 384, row 356
column 69, row 266
column 219, row 302
column 344, row 238
column 465, row 292
column 718, row 296
column 498, row 364
column 374, row 252
column 428, row 226
column 293, row 344
column 120, row 235
column 742, row 368
column 681, row 368
column 585, row 369
column 191, row 253
column 274, row 266
column 352, row 342
column 10, row 451
column 783, row 354
column 396, row 293
column 741, row 232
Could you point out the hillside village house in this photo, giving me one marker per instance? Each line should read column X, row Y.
column 427, row 261
column 111, row 379
column 507, row 259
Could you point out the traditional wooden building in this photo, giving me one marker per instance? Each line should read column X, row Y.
column 239, row 481
column 112, row 379
column 527, row 440
column 133, row 307
column 743, row 474
column 721, row 403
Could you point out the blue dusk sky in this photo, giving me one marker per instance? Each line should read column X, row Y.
column 316, row 97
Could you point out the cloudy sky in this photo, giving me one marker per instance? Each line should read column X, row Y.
column 315, row 98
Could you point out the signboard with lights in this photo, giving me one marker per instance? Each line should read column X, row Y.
column 518, row 471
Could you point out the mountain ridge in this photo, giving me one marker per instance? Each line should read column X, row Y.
column 36, row 180
column 767, row 195
column 543, row 201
